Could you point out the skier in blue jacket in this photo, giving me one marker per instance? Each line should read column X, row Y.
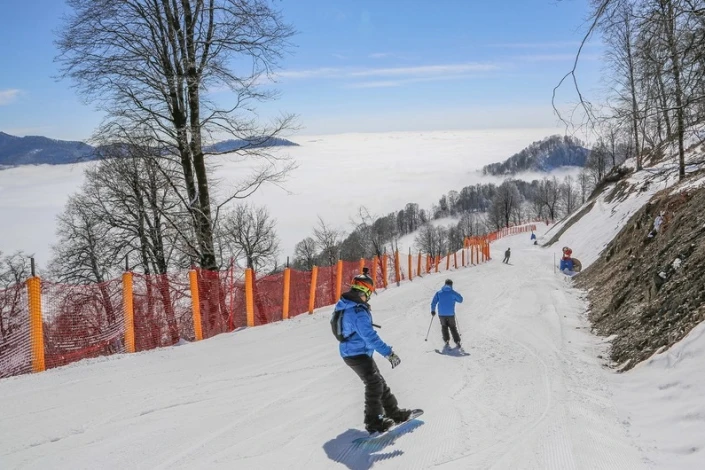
column 445, row 299
column 358, row 341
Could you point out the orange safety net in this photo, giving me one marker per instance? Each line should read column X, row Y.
column 350, row 270
column 299, row 292
column 82, row 321
column 162, row 310
column 325, row 286
column 15, row 355
column 268, row 294
column 235, row 299
column 216, row 314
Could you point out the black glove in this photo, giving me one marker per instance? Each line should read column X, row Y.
column 433, row 313
column 393, row 360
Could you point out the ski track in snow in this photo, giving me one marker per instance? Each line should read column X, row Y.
column 531, row 394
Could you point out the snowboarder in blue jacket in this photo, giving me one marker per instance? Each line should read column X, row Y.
column 352, row 325
column 445, row 299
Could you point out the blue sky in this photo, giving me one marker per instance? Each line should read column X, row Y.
column 358, row 66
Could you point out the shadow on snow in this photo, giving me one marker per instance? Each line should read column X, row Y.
column 363, row 455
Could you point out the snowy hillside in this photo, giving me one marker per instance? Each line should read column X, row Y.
column 546, row 155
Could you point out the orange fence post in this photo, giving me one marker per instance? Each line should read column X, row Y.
column 438, row 261
column 195, row 305
column 397, row 269
column 339, row 279
column 128, row 312
column 312, row 294
column 385, row 260
column 375, row 262
column 418, row 268
column 463, row 256
column 447, row 261
column 36, row 327
column 411, row 266
column 249, row 297
column 455, row 259
column 287, row 289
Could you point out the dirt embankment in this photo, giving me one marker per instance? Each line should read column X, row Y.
column 648, row 287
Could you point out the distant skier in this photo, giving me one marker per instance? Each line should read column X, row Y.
column 445, row 299
column 506, row 255
column 533, row 236
column 352, row 325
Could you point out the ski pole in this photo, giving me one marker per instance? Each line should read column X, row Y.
column 429, row 327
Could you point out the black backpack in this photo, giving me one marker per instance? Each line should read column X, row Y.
column 336, row 323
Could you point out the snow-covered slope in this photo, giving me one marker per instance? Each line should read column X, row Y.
column 531, row 394
column 660, row 400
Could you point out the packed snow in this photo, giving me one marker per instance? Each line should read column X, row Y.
column 533, row 391
column 531, row 394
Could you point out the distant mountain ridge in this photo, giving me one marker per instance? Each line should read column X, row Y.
column 544, row 155
column 35, row 150
column 235, row 144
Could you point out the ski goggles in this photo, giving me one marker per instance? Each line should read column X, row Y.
column 363, row 287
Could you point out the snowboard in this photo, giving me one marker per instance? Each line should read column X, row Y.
column 377, row 435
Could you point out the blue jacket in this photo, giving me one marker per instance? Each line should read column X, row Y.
column 357, row 328
column 446, row 299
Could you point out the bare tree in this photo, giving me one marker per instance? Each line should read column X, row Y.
column 584, row 185
column 621, row 31
column 328, row 240
column 150, row 65
column 252, row 232
column 305, row 253
column 87, row 251
column 597, row 163
column 549, row 195
column 432, row 240
column 504, row 204
column 132, row 194
column 14, row 271
column 569, row 195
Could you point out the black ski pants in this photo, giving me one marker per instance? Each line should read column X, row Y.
column 506, row 259
column 378, row 397
column 448, row 323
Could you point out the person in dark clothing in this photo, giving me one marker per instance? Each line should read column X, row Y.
column 445, row 299
column 359, row 342
column 506, row 255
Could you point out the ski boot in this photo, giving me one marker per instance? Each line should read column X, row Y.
column 378, row 424
column 399, row 415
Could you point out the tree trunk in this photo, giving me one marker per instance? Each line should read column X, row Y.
column 632, row 89
column 675, row 60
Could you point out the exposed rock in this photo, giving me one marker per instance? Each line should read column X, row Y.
column 647, row 290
